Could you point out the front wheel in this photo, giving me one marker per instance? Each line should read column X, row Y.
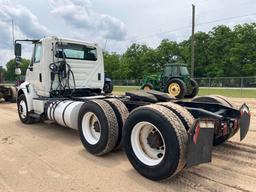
column 108, row 87
column 147, row 87
column 23, row 110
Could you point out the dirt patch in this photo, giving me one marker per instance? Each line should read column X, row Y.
column 47, row 157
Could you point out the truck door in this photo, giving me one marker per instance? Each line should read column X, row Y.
column 35, row 69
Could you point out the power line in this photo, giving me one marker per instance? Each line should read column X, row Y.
column 135, row 39
column 225, row 19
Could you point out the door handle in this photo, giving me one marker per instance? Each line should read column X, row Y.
column 40, row 77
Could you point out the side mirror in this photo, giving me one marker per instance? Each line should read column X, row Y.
column 17, row 51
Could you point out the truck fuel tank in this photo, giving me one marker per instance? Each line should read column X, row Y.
column 64, row 112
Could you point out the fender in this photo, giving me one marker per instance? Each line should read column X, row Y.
column 27, row 89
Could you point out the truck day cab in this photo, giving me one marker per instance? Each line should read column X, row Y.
column 160, row 135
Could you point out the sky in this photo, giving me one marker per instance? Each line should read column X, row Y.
column 115, row 24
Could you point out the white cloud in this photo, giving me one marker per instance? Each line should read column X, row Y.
column 79, row 14
column 24, row 20
column 5, row 55
column 26, row 23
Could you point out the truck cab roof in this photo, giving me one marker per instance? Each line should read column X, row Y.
column 68, row 40
column 176, row 64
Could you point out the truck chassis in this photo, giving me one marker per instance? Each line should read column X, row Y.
column 160, row 135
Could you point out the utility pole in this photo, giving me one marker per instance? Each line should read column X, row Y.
column 105, row 46
column 13, row 33
column 193, row 42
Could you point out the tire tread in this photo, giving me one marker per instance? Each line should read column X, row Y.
column 120, row 108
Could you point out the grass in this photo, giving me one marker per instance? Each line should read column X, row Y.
column 228, row 92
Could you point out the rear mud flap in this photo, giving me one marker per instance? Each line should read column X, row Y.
column 200, row 144
column 245, row 119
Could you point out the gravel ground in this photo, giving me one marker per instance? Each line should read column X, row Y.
column 47, row 157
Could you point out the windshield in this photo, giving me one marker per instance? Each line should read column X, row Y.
column 76, row 51
column 184, row 71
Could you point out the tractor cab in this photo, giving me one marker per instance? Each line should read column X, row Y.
column 175, row 70
column 173, row 79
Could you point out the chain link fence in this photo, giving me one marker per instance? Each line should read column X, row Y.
column 236, row 82
column 229, row 86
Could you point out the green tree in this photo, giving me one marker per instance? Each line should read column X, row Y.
column 168, row 52
column 10, row 69
column 220, row 52
column 112, row 65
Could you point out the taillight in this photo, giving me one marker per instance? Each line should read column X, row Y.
column 202, row 124
column 197, row 130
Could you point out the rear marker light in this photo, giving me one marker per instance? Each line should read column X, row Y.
column 197, row 130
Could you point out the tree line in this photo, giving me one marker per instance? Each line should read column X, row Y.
column 221, row 52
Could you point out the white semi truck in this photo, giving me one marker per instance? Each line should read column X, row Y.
column 160, row 135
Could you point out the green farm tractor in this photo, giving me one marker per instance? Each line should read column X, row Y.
column 173, row 79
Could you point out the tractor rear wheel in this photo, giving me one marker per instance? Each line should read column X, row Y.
column 176, row 88
column 219, row 100
column 195, row 89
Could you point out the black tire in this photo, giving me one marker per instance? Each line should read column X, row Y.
column 108, row 127
column 108, row 87
column 24, row 118
column 213, row 99
column 219, row 100
column 184, row 115
column 13, row 95
column 195, row 89
column 174, row 136
column 226, row 100
column 148, row 85
column 121, row 113
column 182, row 87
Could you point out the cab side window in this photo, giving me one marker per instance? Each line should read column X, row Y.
column 37, row 53
column 168, row 71
column 175, row 71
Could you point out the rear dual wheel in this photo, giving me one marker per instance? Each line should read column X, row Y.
column 121, row 113
column 100, row 125
column 155, row 142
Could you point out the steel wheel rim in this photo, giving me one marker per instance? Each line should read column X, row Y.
column 141, row 147
column 90, row 131
column 174, row 89
column 23, row 109
column 147, row 88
